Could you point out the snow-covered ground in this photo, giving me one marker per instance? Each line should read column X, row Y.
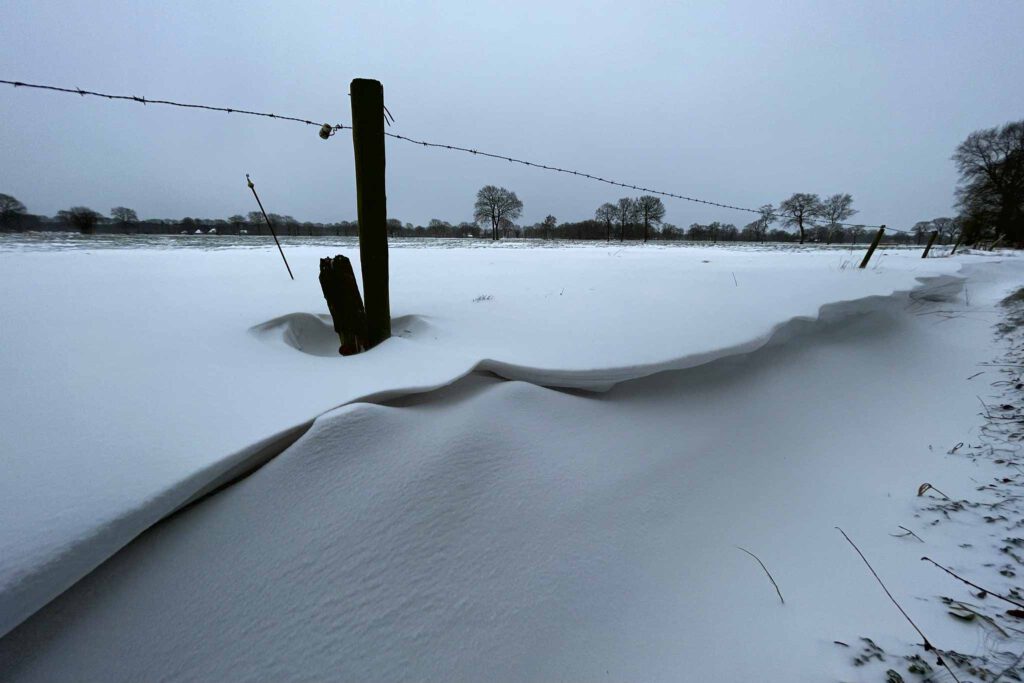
column 489, row 529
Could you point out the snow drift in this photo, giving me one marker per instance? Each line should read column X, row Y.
column 502, row 530
column 164, row 379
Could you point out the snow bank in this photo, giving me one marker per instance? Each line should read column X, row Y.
column 131, row 374
column 501, row 530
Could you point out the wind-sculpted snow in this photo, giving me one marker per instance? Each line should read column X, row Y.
column 501, row 530
column 124, row 399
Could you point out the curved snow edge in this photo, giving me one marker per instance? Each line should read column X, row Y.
column 30, row 591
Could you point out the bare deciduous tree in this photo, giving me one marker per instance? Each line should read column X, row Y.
column 10, row 211
column 991, row 190
column 920, row 229
column 946, row 227
column 625, row 214
column 835, row 210
column 237, row 222
column 548, row 225
column 768, row 216
column 651, row 210
column 124, row 217
column 496, row 205
column 606, row 213
column 81, row 217
column 799, row 209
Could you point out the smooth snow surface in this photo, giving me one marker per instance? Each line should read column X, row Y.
column 491, row 529
column 499, row 530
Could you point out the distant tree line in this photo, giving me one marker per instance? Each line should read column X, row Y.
column 495, row 212
column 990, row 197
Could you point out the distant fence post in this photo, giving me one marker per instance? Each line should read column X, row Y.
column 931, row 241
column 996, row 243
column 959, row 238
column 368, row 145
column 874, row 245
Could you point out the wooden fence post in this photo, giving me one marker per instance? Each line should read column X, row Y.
column 959, row 238
column 874, row 245
column 931, row 241
column 996, row 243
column 368, row 145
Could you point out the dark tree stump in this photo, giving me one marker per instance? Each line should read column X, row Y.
column 346, row 305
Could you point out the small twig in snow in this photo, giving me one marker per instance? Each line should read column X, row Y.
column 734, row 279
column 928, row 647
column 976, row 374
column 987, row 413
column 924, row 488
column 770, row 578
column 973, row 585
column 909, row 533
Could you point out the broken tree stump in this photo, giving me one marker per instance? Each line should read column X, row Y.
column 338, row 282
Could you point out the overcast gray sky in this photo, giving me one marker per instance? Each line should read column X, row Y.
column 740, row 102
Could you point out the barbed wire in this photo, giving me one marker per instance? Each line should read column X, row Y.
column 616, row 183
column 326, row 130
column 568, row 171
column 143, row 100
column 582, row 174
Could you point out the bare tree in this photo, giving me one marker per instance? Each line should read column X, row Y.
column 835, row 210
column 124, row 217
column 548, row 225
column 799, row 209
column 495, row 205
column 237, row 222
column 606, row 213
column 947, row 228
column 81, row 217
column 651, row 210
column 768, row 216
column 11, row 210
column 625, row 214
column 920, row 229
column 257, row 221
column 855, row 232
column 991, row 189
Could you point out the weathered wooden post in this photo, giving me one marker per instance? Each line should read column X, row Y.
column 959, row 238
column 368, row 145
column 338, row 283
column 931, row 241
column 874, row 245
column 996, row 243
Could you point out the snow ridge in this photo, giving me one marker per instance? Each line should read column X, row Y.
column 26, row 591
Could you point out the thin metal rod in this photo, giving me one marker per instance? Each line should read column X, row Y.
column 269, row 225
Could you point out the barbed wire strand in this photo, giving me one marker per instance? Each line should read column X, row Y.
column 333, row 128
column 143, row 100
column 582, row 174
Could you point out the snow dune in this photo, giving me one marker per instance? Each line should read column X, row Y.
column 500, row 530
column 147, row 369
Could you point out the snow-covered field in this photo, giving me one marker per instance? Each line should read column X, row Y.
column 437, row 521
